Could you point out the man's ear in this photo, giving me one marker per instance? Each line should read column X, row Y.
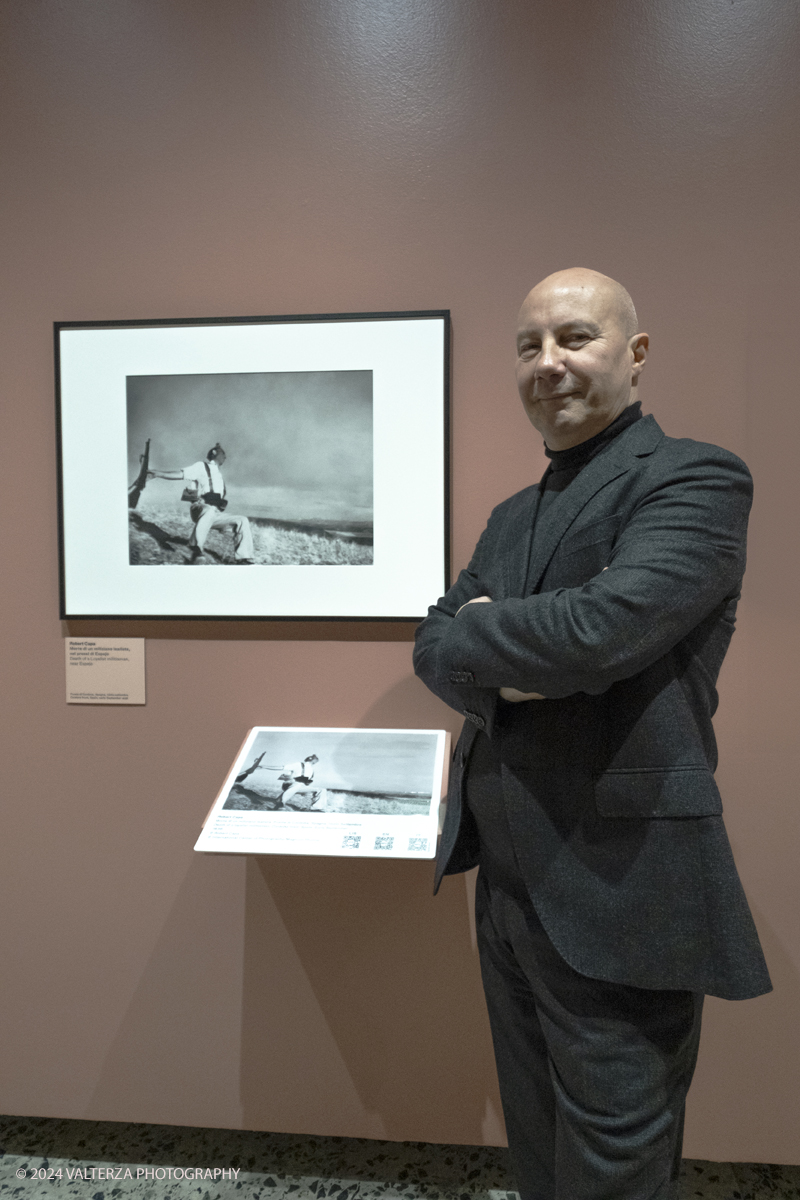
column 639, row 347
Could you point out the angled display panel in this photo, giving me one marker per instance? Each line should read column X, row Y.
column 363, row 793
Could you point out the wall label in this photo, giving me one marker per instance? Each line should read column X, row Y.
column 105, row 670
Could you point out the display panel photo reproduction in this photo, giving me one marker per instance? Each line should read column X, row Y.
column 363, row 793
column 264, row 467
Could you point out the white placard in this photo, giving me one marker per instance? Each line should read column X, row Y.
column 105, row 670
column 301, row 462
column 361, row 793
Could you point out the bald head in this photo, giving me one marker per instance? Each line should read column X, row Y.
column 583, row 284
column 579, row 355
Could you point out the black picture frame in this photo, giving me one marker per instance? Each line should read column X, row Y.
column 335, row 428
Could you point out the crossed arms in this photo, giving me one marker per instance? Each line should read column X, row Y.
column 508, row 693
column 679, row 552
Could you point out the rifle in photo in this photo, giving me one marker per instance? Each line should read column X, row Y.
column 140, row 482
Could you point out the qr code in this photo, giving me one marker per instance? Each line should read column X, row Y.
column 418, row 843
column 351, row 841
column 384, row 843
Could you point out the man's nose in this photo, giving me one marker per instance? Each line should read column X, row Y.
column 550, row 360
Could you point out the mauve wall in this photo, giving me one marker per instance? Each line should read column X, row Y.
column 171, row 158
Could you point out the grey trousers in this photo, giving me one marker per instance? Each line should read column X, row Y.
column 593, row 1075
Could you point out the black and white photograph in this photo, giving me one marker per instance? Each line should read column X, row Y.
column 360, row 771
column 297, row 465
column 271, row 467
column 331, row 791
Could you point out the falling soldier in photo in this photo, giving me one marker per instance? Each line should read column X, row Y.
column 297, row 783
column 205, row 493
column 296, row 780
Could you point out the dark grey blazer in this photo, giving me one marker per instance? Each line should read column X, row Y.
column 609, row 786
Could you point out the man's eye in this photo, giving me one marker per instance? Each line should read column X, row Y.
column 526, row 350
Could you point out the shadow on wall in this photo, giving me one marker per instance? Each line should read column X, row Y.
column 409, row 705
column 384, row 1006
column 381, row 1017
column 173, row 1056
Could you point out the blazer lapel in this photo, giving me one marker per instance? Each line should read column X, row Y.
column 515, row 547
column 639, row 440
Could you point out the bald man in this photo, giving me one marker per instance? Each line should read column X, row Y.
column 582, row 645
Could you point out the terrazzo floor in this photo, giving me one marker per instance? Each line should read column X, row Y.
column 106, row 1160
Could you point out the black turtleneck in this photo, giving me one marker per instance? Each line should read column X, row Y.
column 484, row 788
column 565, row 464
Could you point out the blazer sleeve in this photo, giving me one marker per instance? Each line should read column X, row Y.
column 679, row 555
column 455, row 687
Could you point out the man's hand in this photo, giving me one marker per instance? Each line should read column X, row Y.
column 477, row 600
column 517, row 697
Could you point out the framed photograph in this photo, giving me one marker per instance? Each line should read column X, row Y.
column 255, row 467
column 363, row 793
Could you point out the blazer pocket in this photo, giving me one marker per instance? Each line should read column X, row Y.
column 657, row 792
